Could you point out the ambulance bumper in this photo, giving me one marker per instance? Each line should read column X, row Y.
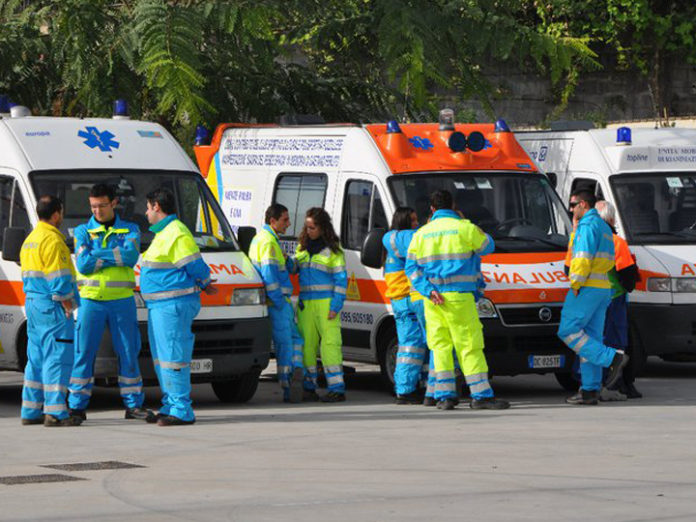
column 665, row 329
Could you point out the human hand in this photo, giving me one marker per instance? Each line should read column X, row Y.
column 68, row 307
column 210, row 289
column 436, row 297
column 332, row 315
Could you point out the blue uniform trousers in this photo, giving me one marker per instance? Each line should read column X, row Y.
column 121, row 317
column 171, row 345
column 413, row 347
column 287, row 342
column 582, row 330
column 50, row 358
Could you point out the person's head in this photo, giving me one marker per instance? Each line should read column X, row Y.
column 580, row 202
column 160, row 204
column 50, row 210
column 102, row 202
column 607, row 212
column 318, row 225
column 278, row 218
column 441, row 199
column 404, row 218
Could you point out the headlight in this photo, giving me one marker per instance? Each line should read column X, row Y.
column 659, row 284
column 139, row 301
column 248, row 296
column 485, row 308
column 684, row 284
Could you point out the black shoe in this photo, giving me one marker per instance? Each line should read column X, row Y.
column 295, row 391
column 79, row 413
column 489, row 403
column 632, row 393
column 584, row 398
column 447, row 404
column 429, row 401
column 334, row 397
column 616, row 368
column 310, row 396
column 170, row 420
column 409, row 398
column 53, row 422
column 29, row 422
column 140, row 414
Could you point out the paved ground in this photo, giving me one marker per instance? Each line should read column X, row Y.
column 368, row 459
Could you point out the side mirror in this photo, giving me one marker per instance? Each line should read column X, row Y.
column 244, row 236
column 12, row 240
column 372, row 250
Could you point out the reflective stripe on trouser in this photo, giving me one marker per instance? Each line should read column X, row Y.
column 287, row 342
column 121, row 317
column 455, row 324
column 314, row 325
column 49, row 359
column 171, row 345
column 412, row 347
column 582, row 329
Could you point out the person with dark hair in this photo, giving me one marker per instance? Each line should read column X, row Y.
column 323, row 282
column 584, row 310
column 442, row 266
column 267, row 257
column 106, row 250
column 172, row 276
column 48, row 277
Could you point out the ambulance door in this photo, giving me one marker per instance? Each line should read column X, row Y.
column 363, row 206
column 13, row 213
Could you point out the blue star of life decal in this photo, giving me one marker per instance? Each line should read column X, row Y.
column 94, row 139
column 421, row 143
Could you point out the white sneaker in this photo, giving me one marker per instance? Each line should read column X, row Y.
column 611, row 395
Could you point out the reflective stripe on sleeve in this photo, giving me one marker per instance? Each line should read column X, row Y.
column 340, row 290
column 272, row 287
column 58, row 273
column 117, row 257
column 98, row 265
column 317, row 288
column 483, row 246
column 392, row 243
column 188, row 259
column 61, row 298
column 157, row 264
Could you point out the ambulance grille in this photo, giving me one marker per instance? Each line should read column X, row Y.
column 213, row 337
column 530, row 315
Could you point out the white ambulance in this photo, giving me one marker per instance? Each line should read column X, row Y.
column 650, row 177
column 361, row 173
column 65, row 157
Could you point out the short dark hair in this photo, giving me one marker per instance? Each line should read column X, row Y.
column 275, row 211
column 585, row 195
column 47, row 206
column 102, row 189
column 401, row 220
column 441, row 199
column 165, row 198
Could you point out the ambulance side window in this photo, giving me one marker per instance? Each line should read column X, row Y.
column 13, row 211
column 299, row 193
column 362, row 211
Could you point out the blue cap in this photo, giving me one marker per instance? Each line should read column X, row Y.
column 623, row 135
column 201, row 135
column 5, row 103
column 501, row 126
column 120, row 107
column 393, row 127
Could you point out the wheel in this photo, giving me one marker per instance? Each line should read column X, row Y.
column 567, row 382
column 238, row 390
column 387, row 358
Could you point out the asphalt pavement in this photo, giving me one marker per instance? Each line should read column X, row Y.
column 366, row 459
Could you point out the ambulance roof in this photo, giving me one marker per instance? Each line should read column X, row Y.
column 45, row 143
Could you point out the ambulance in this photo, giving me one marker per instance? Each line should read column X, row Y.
column 65, row 157
column 650, row 177
column 361, row 173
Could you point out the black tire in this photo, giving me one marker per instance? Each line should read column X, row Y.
column 238, row 390
column 387, row 357
column 567, row 382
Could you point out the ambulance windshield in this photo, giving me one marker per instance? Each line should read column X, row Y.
column 657, row 208
column 520, row 211
column 196, row 206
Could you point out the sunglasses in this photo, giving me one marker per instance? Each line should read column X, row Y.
column 572, row 204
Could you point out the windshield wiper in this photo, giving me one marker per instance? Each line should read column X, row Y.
column 680, row 233
column 530, row 238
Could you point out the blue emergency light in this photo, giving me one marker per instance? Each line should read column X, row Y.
column 201, row 135
column 5, row 103
column 501, row 126
column 623, row 136
column 121, row 108
column 393, row 127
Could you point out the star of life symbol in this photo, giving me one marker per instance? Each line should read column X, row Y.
column 421, row 143
column 94, row 139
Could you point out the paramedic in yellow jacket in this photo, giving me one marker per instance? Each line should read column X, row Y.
column 442, row 265
column 585, row 307
column 48, row 276
column 323, row 281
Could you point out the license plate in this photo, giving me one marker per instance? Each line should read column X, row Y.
column 546, row 361
column 201, row 366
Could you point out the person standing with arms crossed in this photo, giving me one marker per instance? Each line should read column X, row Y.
column 172, row 276
column 48, row 277
column 442, row 265
column 106, row 250
column 268, row 259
